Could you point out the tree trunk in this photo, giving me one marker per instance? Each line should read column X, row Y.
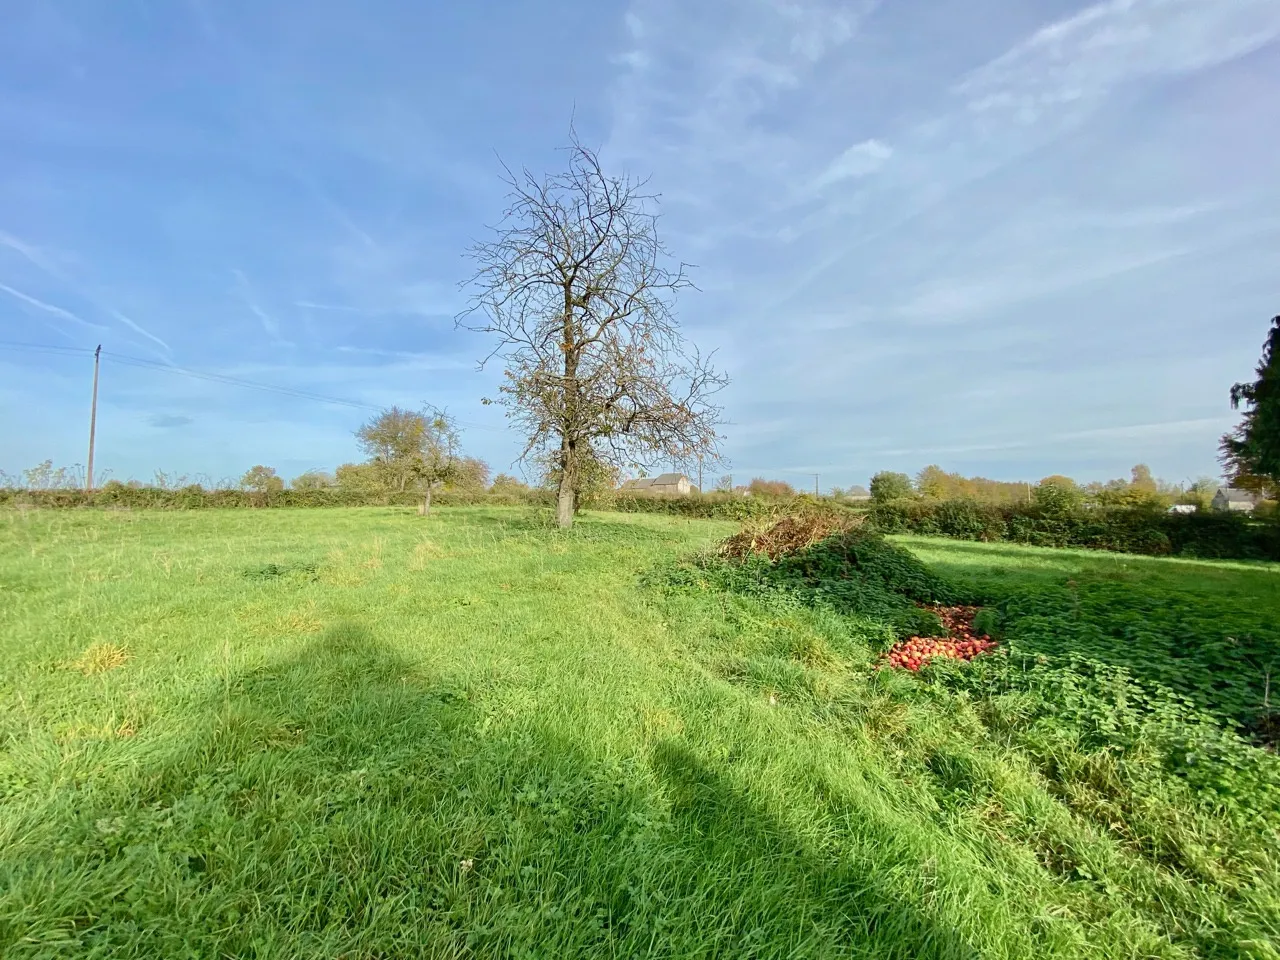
column 425, row 509
column 567, row 498
column 567, row 494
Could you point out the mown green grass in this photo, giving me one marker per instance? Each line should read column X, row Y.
column 358, row 733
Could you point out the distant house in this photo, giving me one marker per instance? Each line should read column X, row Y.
column 668, row 484
column 1234, row 501
column 1183, row 508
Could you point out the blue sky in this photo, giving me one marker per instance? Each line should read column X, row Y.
column 1012, row 237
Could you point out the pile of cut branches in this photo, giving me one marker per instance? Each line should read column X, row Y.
column 786, row 535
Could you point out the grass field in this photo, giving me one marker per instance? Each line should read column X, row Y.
column 358, row 733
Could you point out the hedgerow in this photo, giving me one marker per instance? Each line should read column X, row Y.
column 1220, row 536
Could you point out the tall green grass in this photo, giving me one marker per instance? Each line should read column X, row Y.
column 359, row 733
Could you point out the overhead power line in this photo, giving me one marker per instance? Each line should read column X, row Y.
column 234, row 381
column 44, row 348
column 143, row 363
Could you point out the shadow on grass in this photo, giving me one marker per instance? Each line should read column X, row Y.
column 341, row 803
column 785, row 898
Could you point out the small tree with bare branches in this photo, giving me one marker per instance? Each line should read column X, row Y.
column 579, row 291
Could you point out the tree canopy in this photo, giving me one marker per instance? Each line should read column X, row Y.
column 260, row 479
column 1251, row 452
column 313, row 480
column 1057, row 494
column 410, row 450
column 760, row 487
column 887, row 485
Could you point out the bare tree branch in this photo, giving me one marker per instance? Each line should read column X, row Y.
column 576, row 288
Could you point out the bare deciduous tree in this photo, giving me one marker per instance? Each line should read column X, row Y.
column 313, row 480
column 578, row 290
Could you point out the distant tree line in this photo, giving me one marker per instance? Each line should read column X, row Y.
column 406, row 457
column 1056, row 492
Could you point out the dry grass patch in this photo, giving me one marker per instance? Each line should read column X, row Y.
column 424, row 551
column 100, row 658
column 304, row 620
column 123, row 730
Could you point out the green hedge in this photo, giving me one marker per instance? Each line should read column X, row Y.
column 120, row 495
column 711, row 506
column 1223, row 536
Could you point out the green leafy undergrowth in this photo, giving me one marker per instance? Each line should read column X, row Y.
column 854, row 573
column 1219, row 654
column 1147, row 732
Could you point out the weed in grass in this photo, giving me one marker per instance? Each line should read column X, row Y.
column 277, row 571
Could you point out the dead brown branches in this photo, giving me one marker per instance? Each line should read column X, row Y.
column 786, row 535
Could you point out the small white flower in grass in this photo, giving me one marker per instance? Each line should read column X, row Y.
column 773, row 699
column 466, row 865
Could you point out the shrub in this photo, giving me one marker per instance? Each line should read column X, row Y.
column 778, row 489
column 887, row 487
column 961, row 519
column 1057, row 495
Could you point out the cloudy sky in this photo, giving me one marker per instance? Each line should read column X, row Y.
column 1011, row 237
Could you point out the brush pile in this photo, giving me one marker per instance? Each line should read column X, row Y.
column 786, row 536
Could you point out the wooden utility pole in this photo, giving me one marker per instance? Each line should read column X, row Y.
column 93, row 418
column 815, row 486
column 699, row 474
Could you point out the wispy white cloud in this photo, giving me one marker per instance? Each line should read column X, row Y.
column 31, row 252
column 697, row 89
column 140, row 330
column 1139, row 430
column 860, row 160
column 1211, row 426
column 269, row 323
column 47, row 263
column 958, row 299
column 426, row 359
column 51, row 309
column 1068, row 66
column 332, row 307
